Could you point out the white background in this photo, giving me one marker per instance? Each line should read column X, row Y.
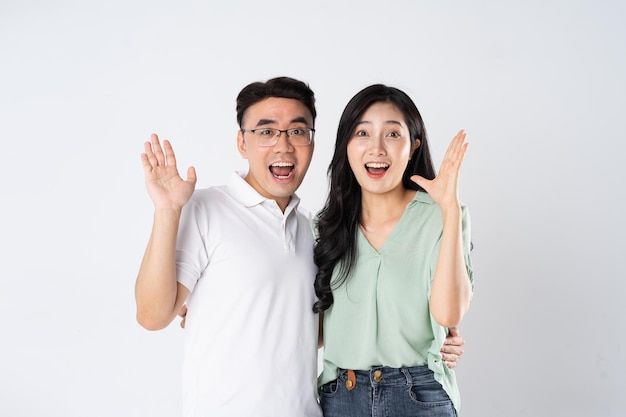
column 538, row 85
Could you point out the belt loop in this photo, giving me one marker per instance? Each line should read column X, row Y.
column 407, row 375
column 351, row 382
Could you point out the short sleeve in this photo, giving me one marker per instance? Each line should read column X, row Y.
column 466, row 230
column 191, row 253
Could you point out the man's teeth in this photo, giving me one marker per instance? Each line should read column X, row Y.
column 282, row 170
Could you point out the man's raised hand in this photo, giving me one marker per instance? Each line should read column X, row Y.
column 165, row 186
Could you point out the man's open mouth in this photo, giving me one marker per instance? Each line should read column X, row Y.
column 282, row 170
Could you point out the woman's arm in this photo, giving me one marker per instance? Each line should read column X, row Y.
column 451, row 288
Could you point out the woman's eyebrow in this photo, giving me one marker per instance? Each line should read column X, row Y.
column 394, row 122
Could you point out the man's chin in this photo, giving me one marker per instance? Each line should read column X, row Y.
column 284, row 190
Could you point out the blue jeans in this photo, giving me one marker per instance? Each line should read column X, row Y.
column 386, row 392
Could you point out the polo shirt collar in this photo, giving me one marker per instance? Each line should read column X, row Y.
column 249, row 197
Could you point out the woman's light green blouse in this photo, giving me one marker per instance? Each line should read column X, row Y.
column 380, row 315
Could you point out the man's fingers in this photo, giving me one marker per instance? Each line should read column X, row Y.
column 145, row 162
column 456, row 340
column 170, row 158
column 452, row 350
column 453, row 331
column 183, row 313
column 149, row 152
column 450, row 359
column 157, row 150
column 191, row 177
column 449, row 356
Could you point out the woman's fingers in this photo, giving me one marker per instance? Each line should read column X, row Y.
column 454, row 155
column 457, row 148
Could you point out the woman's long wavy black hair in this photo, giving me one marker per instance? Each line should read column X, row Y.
column 338, row 221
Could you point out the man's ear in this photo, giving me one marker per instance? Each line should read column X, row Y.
column 241, row 145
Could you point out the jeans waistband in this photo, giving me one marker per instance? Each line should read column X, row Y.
column 383, row 375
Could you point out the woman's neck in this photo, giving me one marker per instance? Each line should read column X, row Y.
column 382, row 211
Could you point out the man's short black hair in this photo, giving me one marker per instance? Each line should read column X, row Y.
column 283, row 87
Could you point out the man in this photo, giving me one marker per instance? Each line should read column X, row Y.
column 240, row 256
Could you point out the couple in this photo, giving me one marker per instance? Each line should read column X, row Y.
column 389, row 272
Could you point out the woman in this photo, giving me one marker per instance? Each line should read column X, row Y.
column 394, row 267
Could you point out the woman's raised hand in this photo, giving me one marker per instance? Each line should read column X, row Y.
column 444, row 189
column 165, row 186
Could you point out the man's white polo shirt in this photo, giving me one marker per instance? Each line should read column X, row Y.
column 251, row 335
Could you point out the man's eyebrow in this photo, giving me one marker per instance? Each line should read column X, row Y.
column 299, row 119
column 264, row 122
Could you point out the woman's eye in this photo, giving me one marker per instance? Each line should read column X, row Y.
column 393, row 135
column 360, row 133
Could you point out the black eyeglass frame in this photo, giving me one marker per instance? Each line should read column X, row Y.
column 280, row 132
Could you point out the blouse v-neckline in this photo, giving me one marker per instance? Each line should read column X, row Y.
column 393, row 232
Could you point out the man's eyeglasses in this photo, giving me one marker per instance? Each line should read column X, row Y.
column 268, row 136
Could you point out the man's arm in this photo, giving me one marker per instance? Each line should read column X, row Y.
column 157, row 293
